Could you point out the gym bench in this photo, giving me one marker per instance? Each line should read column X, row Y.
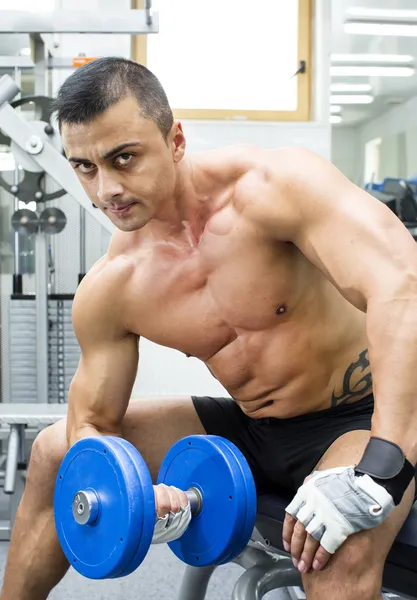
column 268, row 567
column 18, row 423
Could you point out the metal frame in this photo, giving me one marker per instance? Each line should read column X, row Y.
column 264, row 572
column 14, row 476
column 16, row 62
column 20, row 423
column 23, row 63
column 51, row 161
column 132, row 22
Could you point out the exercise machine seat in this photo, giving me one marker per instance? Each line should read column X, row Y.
column 400, row 574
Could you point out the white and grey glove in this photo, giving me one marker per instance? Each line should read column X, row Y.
column 335, row 503
column 171, row 526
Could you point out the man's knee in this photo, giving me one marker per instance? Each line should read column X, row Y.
column 355, row 571
column 48, row 449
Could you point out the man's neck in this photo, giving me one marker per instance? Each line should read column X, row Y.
column 187, row 212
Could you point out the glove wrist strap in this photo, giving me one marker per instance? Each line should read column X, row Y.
column 386, row 463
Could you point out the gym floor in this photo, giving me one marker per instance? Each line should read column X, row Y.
column 158, row 578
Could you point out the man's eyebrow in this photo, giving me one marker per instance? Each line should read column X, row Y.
column 108, row 154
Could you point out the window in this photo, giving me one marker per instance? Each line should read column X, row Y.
column 231, row 60
column 372, row 161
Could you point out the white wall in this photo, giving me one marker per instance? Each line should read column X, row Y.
column 411, row 151
column 392, row 158
column 345, row 148
column 398, row 130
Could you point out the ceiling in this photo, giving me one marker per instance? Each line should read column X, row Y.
column 386, row 90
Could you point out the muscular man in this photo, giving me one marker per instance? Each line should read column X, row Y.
column 290, row 283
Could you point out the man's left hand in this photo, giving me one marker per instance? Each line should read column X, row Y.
column 328, row 507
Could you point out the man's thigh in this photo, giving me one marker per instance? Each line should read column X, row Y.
column 363, row 554
column 153, row 425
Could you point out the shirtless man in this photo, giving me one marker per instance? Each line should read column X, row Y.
column 290, row 283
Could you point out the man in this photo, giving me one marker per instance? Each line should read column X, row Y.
column 289, row 282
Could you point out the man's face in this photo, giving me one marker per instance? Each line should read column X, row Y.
column 124, row 164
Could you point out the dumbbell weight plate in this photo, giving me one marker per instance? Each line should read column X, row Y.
column 106, row 548
column 223, row 527
column 251, row 506
column 144, row 536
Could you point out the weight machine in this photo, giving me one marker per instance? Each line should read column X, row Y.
column 38, row 154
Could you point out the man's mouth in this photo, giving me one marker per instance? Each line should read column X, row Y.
column 119, row 210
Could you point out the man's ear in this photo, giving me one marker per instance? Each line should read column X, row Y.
column 179, row 141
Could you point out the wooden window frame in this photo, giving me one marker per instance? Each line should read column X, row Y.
column 304, row 80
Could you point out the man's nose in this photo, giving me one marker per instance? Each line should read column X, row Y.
column 108, row 187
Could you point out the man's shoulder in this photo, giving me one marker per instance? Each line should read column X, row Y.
column 264, row 193
column 101, row 292
column 249, row 164
column 228, row 161
column 272, row 170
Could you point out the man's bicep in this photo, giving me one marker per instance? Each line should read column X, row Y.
column 101, row 388
column 354, row 239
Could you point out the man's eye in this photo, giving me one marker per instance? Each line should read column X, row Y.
column 85, row 167
column 123, row 159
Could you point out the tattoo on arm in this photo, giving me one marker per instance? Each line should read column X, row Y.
column 351, row 390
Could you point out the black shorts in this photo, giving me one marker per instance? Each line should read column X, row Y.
column 282, row 452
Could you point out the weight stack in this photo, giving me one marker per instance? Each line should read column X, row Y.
column 63, row 349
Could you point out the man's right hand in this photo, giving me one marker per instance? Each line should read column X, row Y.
column 169, row 499
column 173, row 513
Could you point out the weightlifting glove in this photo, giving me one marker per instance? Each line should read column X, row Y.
column 171, row 526
column 335, row 503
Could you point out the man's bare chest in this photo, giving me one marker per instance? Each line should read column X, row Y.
column 200, row 299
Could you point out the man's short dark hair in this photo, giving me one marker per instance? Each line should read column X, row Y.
column 97, row 86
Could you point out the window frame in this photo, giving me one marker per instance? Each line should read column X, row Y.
column 304, row 80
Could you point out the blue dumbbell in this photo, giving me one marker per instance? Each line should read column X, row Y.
column 104, row 503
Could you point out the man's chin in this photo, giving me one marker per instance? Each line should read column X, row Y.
column 128, row 225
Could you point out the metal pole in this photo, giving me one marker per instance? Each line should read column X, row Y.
column 51, row 265
column 17, row 275
column 195, row 582
column 132, row 22
column 148, row 11
column 256, row 582
column 41, row 269
column 82, row 245
column 8, row 89
column 40, row 59
column 13, row 451
column 42, row 259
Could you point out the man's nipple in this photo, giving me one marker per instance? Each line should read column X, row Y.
column 281, row 308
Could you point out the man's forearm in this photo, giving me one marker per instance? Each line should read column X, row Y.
column 78, row 432
column 392, row 336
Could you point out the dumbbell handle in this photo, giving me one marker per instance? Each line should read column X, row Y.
column 86, row 503
column 195, row 499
